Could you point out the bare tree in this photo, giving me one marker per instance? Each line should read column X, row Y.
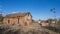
column 53, row 10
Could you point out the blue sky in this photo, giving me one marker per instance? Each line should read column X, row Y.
column 40, row 9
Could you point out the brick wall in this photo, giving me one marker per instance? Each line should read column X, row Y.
column 24, row 21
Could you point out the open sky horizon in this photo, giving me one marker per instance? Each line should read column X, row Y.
column 39, row 9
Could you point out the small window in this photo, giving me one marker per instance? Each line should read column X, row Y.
column 13, row 24
column 8, row 21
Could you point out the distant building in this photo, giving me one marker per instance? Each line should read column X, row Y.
column 44, row 23
column 53, row 21
column 23, row 19
column 39, row 21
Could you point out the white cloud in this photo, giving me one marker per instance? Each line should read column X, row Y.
column 15, row 11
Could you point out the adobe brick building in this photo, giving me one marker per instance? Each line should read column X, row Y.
column 23, row 19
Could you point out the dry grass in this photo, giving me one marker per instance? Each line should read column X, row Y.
column 34, row 28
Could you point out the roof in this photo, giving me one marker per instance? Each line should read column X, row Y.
column 44, row 21
column 17, row 14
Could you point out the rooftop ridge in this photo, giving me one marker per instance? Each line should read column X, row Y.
column 17, row 14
